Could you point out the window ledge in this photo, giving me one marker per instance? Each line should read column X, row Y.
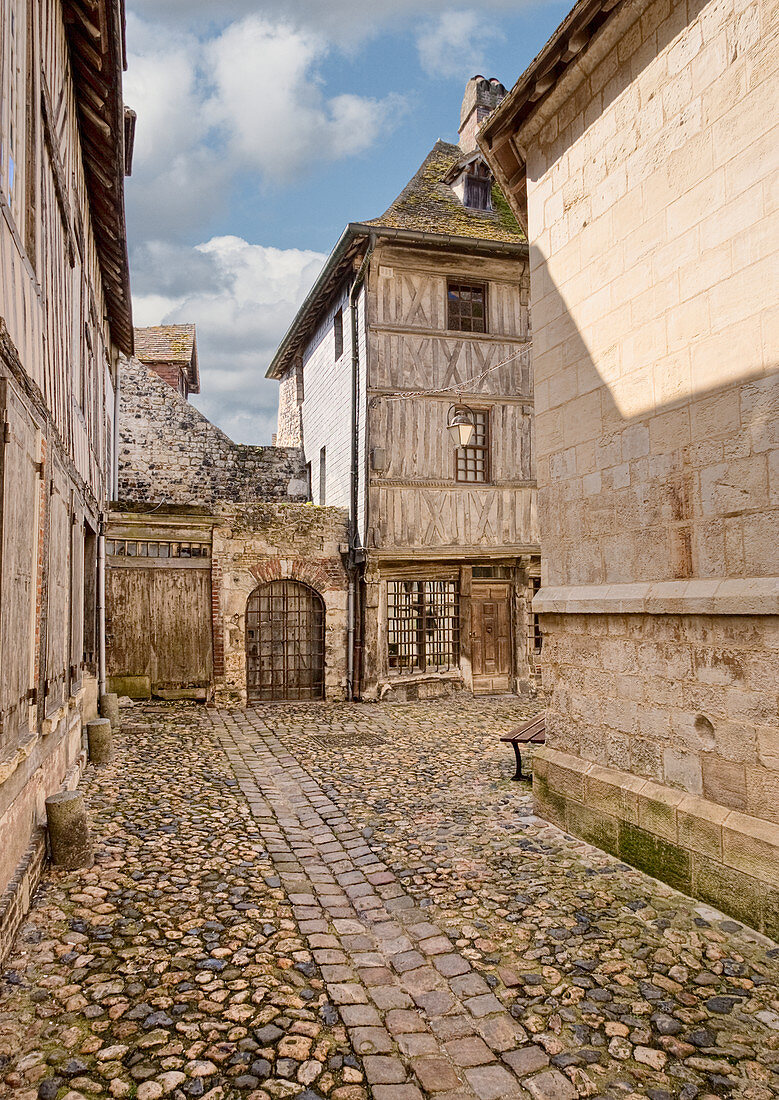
column 415, row 677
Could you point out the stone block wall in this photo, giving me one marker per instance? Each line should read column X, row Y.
column 253, row 544
column 170, row 452
column 689, row 701
column 725, row 857
column 651, row 170
column 656, row 329
column 290, row 423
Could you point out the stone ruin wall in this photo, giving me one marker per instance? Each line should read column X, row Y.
column 170, row 452
column 290, row 423
column 253, row 544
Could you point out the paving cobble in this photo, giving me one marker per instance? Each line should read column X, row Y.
column 175, row 966
column 356, row 901
column 581, row 975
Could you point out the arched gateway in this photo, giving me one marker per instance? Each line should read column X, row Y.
column 285, row 642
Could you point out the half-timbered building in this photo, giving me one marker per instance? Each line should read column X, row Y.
column 65, row 144
column 418, row 316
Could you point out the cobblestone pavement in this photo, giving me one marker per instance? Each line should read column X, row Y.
column 380, row 902
column 481, row 943
column 174, row 967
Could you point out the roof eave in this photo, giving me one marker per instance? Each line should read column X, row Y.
column 353, row 232
column 535, row 85
column 97, row 59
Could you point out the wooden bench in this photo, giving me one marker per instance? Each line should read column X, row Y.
column 531, row 733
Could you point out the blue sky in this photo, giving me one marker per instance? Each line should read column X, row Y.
column 263, row 128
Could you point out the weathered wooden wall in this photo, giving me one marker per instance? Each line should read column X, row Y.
column 415, row 500
column 158, row 608
column 57, row 360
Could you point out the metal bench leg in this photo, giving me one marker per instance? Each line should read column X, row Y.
column 518, row 775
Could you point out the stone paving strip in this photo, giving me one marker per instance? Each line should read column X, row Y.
column 424, row 1022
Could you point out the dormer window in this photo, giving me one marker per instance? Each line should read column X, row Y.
column 478, row 186
column 477, row 193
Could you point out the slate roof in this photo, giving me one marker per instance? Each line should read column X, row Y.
column 170, row 344
column 429, row 205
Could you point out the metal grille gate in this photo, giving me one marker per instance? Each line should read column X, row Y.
column 285, row 642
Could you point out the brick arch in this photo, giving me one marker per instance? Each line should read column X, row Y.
column 313, row 574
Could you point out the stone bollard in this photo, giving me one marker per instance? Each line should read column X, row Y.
column 66, row 817
column 109, row 708
column 100, row 741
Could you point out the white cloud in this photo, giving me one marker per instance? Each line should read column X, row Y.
column 455, row 44
column 341, row 20
column 269, row 100
column 247, row 101
column 242, row 298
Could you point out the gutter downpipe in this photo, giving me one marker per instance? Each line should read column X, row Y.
column 101, row 676
column 351, row 606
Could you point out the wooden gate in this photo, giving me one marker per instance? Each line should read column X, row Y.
column 285, row 642
column 158, row 608
column 491, row 637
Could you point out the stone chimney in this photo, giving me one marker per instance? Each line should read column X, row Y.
column 480, row 100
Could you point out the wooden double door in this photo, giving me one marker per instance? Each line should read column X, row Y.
column 491, row 636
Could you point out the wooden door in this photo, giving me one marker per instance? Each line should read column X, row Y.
column 19, row 541
column 285, row 642
column 158, row 619
column 490, row 637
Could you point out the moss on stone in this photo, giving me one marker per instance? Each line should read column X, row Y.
column 656, row 856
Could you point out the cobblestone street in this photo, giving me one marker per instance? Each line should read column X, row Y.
column 345, row 902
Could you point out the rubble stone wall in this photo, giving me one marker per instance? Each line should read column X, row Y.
column 170, row 452
column 290, row 424
column 265, row 542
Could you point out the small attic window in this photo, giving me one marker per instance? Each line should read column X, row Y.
column 477, row 193
column 478, row 187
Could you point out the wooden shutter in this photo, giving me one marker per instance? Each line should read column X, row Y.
column 76, row 599
column 58, row 593
column 19, row 520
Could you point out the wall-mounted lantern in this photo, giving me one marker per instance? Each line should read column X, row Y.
column 461, row 424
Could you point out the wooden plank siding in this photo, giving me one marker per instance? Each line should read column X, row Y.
column 159, row 627
column 57, row 358
column 415, row 500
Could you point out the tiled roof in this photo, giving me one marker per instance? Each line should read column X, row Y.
column 170, row 344
column 165, row 343
column 428, row 205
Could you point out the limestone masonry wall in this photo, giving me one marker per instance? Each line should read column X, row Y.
column 687, row 700
column 168, row 451
column 653, row 227
column 653, row 298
